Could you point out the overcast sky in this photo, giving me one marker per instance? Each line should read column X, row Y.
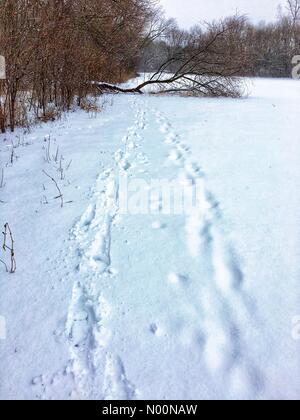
column 190, row 12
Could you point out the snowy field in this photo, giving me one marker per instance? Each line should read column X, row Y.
column 108, row 303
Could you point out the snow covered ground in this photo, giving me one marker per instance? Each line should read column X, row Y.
column 112, row 300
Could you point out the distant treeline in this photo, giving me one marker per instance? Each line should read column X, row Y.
column 268, row 47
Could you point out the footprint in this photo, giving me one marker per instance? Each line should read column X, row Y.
column 175, row 155
column 183, row 148
column 158, row 225
column 218, row 350
column 156, row 330
column 99, row 254
column 153, row 328
column 165, row 128
column 119, row 155
column 77, row 327
column 131, row 146
column 228, row 273
column 194, row 170
column 177, row 279
column 116, row 384
column 88, row 217
column 171, row 138
column 245, row 381
column 125, row 165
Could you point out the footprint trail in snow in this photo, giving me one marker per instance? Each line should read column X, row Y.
column 223, row 300
column 98, row 373
column 157, row 299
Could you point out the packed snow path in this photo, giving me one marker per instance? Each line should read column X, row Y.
column 111, row 303
column 152, row 305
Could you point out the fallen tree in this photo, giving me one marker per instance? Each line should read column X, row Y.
column 200, row 62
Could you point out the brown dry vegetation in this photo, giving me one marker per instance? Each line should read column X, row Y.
column 55, row 48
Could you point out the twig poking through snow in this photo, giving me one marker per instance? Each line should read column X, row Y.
column 48, row 149
column 58, row 189
column 8, row 236
column 12, row 153
column 2, row 183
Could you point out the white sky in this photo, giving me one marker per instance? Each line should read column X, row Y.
column 190, row 12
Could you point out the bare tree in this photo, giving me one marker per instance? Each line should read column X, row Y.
column 293, row 8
